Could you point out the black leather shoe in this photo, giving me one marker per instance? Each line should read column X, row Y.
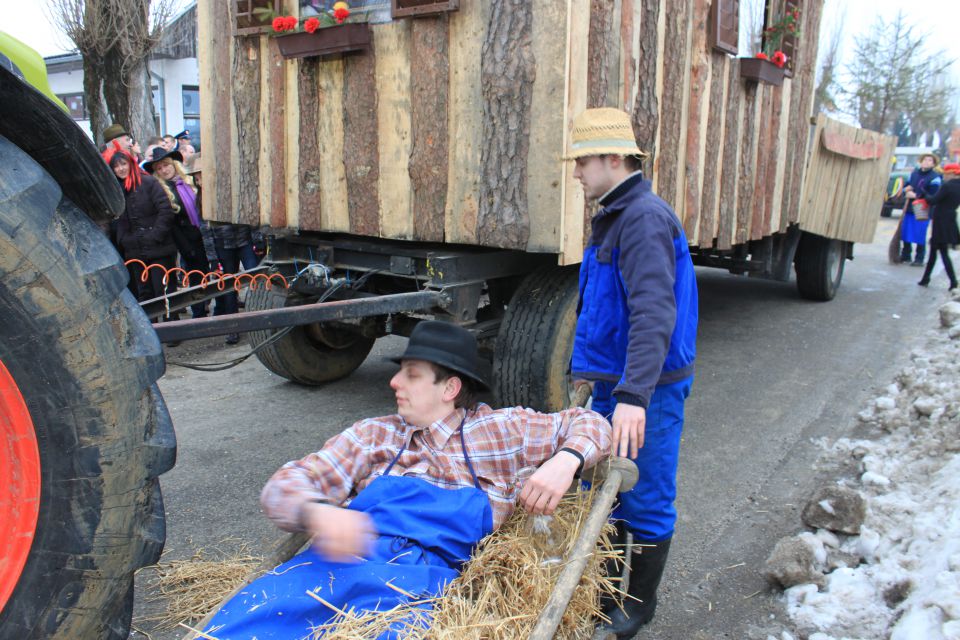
column 924, row 283
column 646, row 569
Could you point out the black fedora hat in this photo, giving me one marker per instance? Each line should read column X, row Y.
column 159, row 153
column 447, row 345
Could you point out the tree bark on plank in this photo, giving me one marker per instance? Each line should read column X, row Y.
column 507, row 73
column 308, row 83
column 646, row 118
column 361, row 157
column 430, row 80
column 246, row 83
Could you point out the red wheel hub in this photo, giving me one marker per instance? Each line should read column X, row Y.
column 19, row 484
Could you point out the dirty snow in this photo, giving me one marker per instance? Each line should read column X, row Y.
column 907, row 583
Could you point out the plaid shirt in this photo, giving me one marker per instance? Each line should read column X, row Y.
column 499, row 444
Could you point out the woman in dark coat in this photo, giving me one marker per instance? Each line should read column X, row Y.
column 945, row 233
column 188, row 224
column 143, row 230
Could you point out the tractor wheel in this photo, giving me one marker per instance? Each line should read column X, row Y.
column 532, row 354
column 310, row 354
column 84, row 432
column 819, row 266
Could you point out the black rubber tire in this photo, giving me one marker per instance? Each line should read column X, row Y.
column 532, row 353
column 299, row 356
column 819, row 266
column 85, row 359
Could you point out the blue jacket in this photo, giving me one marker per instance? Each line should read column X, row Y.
column 637, row 316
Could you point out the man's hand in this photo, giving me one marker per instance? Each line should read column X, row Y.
column 542, row 491
column 629, row 422
column 342, row 535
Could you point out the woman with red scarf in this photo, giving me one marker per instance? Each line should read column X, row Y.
column 144, row 227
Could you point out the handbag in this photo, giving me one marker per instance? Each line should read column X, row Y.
column 921, row 210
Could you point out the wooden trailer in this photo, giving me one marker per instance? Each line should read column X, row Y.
column 422, row 148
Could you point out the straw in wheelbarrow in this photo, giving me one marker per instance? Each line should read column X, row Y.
column 503, row 588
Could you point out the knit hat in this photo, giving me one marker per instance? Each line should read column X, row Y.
column 114, row 131
column 601, row 131
column 952, row 167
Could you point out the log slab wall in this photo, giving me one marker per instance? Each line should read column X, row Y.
column 451, row 128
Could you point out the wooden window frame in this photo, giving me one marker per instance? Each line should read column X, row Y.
column 789, row 44
column 245, row 22
column 420, row 8
column 721, row 39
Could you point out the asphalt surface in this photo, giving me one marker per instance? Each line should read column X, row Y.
column 774, row 373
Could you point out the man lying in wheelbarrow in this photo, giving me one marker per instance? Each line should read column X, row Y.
column 405, row 498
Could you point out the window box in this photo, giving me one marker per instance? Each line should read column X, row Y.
column 758, row 70
column 247, row 21
column 351, row 36
column 416, row 8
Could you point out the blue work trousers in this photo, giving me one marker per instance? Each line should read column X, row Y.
column 648, row 508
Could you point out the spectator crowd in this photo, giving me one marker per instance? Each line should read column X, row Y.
column 163, row 223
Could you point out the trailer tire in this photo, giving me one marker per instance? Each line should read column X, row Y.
column 532, row 352
column 819, row 266
column 84, row 429
column 309, row 354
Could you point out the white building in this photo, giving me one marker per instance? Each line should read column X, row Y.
column 174, row 75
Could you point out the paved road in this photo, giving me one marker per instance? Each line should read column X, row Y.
column 774, row 372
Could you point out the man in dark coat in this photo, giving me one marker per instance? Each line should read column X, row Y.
column 943, row 214
column 635, row 340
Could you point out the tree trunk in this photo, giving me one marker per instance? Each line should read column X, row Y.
column 142, row 122
column 114, row 89
column 93, row 97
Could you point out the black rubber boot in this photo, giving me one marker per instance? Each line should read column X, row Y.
column 646, row 569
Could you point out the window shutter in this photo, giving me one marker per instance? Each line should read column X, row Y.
column 724, row 25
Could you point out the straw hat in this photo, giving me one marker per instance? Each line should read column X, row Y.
column 601, row 131
column 193, row 165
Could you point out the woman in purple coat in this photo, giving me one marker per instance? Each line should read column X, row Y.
column 923, row 183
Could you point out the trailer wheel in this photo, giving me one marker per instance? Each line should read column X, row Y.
column 819, row 266
column 84, row 432
column 310, row 354
column 533, row 348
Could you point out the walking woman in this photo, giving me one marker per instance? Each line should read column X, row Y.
column 188, row 223
column 923, row 183
column 945, row 233
column 143, row 230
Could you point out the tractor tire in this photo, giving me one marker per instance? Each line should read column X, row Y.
column 819, row 266
column 533, row 348
column 84, row 429
column 309, row 354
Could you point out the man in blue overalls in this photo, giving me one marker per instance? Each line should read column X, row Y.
column 405, row 498
column 635, row 340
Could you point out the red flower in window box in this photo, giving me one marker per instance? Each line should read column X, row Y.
column 341, row 11
column 762, row 56
column 779, row 58
column 311, row 25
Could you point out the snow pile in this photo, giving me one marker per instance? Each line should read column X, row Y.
column 900, row 577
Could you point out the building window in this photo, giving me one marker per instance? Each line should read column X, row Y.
column 191, row 114
column 75, row 104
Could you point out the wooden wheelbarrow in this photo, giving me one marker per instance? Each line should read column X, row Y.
column 615, row 475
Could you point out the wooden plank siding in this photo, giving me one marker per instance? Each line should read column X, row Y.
column 451, row 128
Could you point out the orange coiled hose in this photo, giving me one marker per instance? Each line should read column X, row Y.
column 211, row 277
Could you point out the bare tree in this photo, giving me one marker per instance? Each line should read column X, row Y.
column 825, row 94
column 115, row 38
column 892, row 76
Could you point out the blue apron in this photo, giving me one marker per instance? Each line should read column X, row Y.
column 425, row 534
